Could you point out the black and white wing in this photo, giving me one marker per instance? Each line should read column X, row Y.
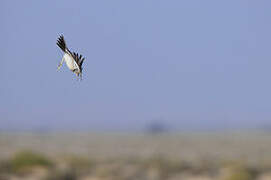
column 61, row 43
column 78, row 59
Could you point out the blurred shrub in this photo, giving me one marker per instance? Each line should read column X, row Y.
column 164, row 167
column 240, row 175
column 238, row 172
column 5, row 167
column 108, row 170
column 67, row 174
column 27, row 160
column 80, row 165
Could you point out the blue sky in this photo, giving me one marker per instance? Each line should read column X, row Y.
column 192, row 64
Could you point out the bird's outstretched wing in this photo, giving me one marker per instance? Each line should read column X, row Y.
column 78, row 59
column 61, row 43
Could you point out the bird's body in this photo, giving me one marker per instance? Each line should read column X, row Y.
column 70, row 62
column 73, row 60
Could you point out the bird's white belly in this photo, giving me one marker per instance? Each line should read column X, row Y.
column 70, row 62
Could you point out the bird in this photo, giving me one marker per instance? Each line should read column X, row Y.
column 73, row 60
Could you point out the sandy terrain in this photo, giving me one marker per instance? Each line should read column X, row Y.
column 143, row 156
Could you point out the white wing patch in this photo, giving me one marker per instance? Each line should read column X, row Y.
column 70, row 62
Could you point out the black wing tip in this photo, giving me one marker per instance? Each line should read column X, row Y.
column 79, row 59
column 61, row 43
column 60, row 38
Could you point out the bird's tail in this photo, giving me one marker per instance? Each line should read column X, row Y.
column 61, row 43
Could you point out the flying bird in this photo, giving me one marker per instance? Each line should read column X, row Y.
column 73, row 60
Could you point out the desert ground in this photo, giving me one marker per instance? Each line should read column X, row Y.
column 135, row 156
